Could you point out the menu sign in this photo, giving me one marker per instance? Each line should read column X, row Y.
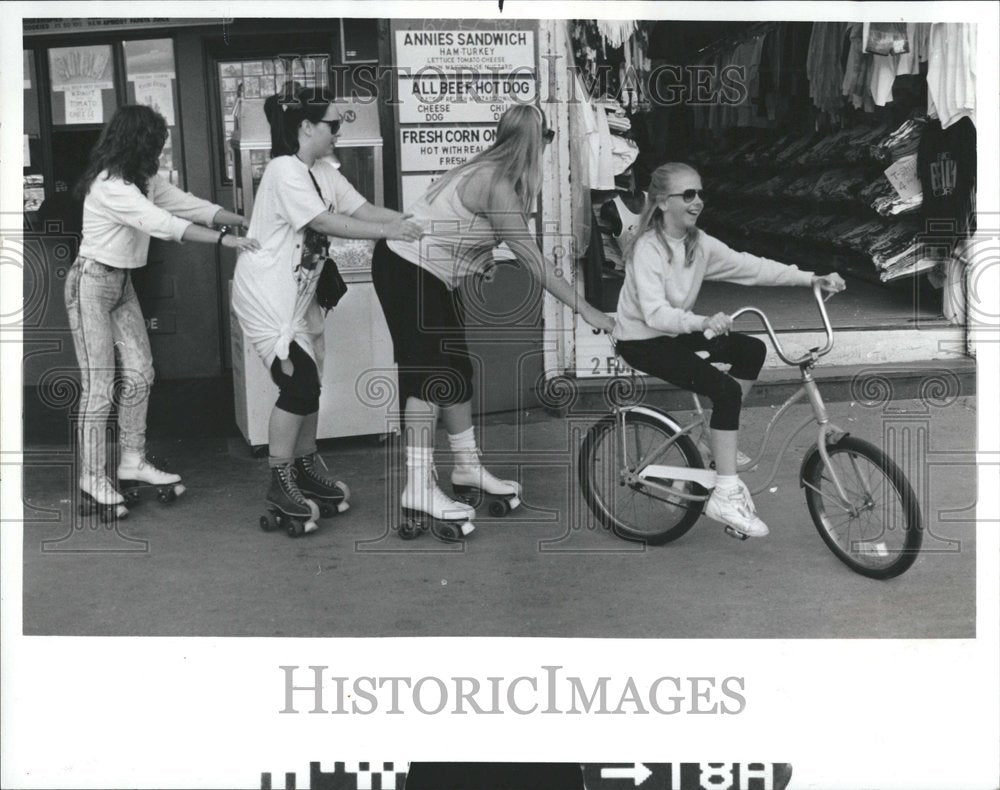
column 80, row 74
column 477, row 51
column 453, row 87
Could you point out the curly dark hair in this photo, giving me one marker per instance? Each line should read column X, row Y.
column 129, row 148
column 286, row 111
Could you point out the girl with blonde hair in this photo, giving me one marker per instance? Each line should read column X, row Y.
column 465, row 215
column 657, row 333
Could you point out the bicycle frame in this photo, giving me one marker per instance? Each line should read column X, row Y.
column 651, row 474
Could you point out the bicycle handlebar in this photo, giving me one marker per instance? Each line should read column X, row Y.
column 820, row 301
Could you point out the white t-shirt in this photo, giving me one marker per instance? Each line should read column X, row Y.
column 274, row 288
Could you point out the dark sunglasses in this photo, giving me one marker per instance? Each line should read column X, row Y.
column 689, row 194
column 548, row 135
column 334, row 126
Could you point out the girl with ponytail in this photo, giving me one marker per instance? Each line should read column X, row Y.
column 302, row 199
column 657, row 333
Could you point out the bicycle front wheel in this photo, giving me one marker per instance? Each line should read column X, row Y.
column 635, row 511
column 883, row 536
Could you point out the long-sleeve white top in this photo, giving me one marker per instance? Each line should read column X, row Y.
column 658, row 293
column 118, row 219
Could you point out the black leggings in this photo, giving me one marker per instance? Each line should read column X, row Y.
column 427, row 325
column 298, row 393
column 674, row 360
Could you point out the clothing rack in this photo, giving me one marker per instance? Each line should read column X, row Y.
column 734, row 40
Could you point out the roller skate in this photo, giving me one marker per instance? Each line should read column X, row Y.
column 330, row 495
column 136, row 473
column 427, row 508
column 474, row 485
column 98, row 495
column 287, row 507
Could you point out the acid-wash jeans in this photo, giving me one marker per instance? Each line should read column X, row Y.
column 104, row 316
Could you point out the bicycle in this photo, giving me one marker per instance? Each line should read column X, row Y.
column 644, row 477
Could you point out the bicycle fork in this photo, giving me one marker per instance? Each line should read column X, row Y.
column 827, row 428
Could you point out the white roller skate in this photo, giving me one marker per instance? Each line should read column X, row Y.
column 99, row 495
column 427, row 508
column 475, row 485
column 135, row 473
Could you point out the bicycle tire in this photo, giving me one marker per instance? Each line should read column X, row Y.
column 670, row 519
column 862, row 547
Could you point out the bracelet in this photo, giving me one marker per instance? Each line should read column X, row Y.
column 222, row 235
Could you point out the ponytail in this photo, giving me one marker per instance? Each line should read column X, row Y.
column 286, row 111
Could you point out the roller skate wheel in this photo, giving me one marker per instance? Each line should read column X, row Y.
column 131, row 496
column 448, row 532
column 734, row 533
column 165, row 495
column 499, row 508
column 408, row 530
column 294, row 528
column 268, row 522
column 326, row 510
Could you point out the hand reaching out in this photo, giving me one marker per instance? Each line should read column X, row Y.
column 240, row 243
column 403, row 229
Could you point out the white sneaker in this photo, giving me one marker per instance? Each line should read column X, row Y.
column 144, row 472
column 101, row 490
column 734, row 507
column 742, row 459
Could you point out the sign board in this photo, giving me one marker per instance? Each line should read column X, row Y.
column 462, row 99
column 442, row 147
column 477, row 51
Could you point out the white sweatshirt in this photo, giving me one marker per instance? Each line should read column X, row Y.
column 118, row 219
column 657, row 296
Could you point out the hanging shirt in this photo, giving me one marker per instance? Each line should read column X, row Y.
column 274, row 287
column 951, row 72
column 946, row 164
column 118, row 219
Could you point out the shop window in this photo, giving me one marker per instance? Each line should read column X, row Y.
column 152, row 80
column 82, row 83
column 258, row 78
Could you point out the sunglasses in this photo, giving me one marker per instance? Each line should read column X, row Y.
column 334, row 126
column 548, row 135
column 689, row 194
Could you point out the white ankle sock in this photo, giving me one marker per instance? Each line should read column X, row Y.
column 131, row 458
column 463, row 446
column 727, row 482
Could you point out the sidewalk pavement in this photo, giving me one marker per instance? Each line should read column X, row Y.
column 201, row 566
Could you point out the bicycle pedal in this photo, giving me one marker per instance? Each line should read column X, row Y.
column 734, row 533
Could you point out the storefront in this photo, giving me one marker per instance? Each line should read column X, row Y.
column 430, row 93
column 456, row 78
column 806, row 136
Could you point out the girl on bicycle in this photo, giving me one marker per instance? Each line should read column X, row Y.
column 656, row 333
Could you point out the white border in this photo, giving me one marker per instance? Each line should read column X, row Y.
column 202, row 712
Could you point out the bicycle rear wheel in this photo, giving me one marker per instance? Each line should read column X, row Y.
column 883, row 539
column 635, row 511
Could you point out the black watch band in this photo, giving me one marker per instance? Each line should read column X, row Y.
column 222, row 234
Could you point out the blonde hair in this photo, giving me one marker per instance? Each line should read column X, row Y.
column 516, row 156
column 651, row 219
